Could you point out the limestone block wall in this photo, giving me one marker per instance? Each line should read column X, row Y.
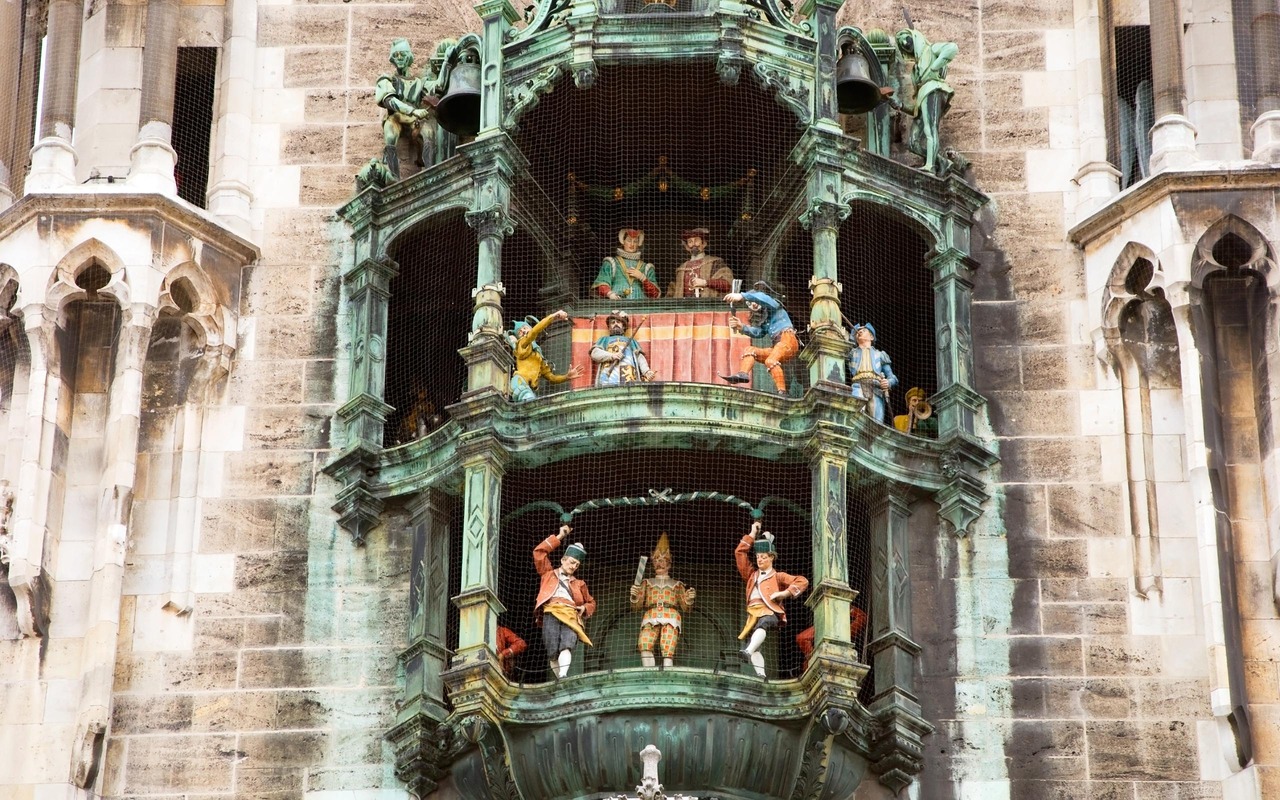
column 269, row 671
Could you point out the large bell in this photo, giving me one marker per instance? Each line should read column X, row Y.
column 459, row 110
column 856, row 93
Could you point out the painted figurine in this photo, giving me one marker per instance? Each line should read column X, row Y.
column 701, row 275
column 870, row 372
column 626, row 275
column 768, row 318
column 510, row 645
column 932, row 96
column 662, row 599
column 531, row 366
column 408, row 110
column 918, row 420
column 563, row 603
column 804, row 639
column 619, row 356
column 767, row 589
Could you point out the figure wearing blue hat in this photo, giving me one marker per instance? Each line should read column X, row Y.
column 870, row 372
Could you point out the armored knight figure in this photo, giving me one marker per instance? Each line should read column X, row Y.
column 662, row 599
column 619, row 357
column 626, row 275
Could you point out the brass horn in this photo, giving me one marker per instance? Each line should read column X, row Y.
column 856, row 93
column 459, row 110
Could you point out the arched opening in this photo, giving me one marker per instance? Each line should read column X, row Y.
column 428, row 317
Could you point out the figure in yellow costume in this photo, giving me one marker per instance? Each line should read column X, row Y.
column 662, row 598
column 531, row 367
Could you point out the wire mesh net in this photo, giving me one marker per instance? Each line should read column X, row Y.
column 193, row 97
column 661, row 155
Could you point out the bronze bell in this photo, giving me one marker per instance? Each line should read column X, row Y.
column 459, row 110
column 856, row 93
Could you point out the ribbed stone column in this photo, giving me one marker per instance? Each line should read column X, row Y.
column 53, row 160
column 10, row 67
column 152, row 157
column 1097, row 178
column 229, row 198
column 1265, row 25
column 1173, row 137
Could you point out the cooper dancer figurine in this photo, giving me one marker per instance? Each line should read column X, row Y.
column 563, row 603
column 870, row 372
column 770, row 319
column 662, row 598
column 626, row 275
column 766, row 590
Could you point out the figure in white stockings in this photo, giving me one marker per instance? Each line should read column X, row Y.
column 767, row 588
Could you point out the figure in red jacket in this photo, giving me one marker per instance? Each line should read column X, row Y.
column 766, row 590
column 511, row 645
column 857, row 621
column 564, row 603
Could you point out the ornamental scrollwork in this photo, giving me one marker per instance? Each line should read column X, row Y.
column 792, row 91
column 524, row 96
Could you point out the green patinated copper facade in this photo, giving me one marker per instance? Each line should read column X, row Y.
column 497, row 736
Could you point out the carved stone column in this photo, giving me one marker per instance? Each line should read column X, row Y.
column 498, row 16
column 368, row 292
column 1173, row 137
column 229, row 197
column 115, row 506
column 152, row 159
column 831, row 595
column 495, row 160
column 53, row 159
column 28, row 576
column 10, row 71
column 1265, row 26
column 828, row 341
column 897, row 749
column 957, row 402
column 1097, row 177
column 484, row 465
column 364, row 415
column 418, row 733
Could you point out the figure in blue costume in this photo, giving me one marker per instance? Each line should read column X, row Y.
column 626, row 275
column 618, row 355
column 870, row 372
column 768, row 318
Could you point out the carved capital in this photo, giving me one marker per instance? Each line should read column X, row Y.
column 824, row 215
column 584, row 74
column 491, row 221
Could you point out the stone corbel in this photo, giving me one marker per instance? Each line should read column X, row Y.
column 960, row 501
column 424, row 749
column 359, row 510
column 581, row 20
column 897, row 747
column 729, row 62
